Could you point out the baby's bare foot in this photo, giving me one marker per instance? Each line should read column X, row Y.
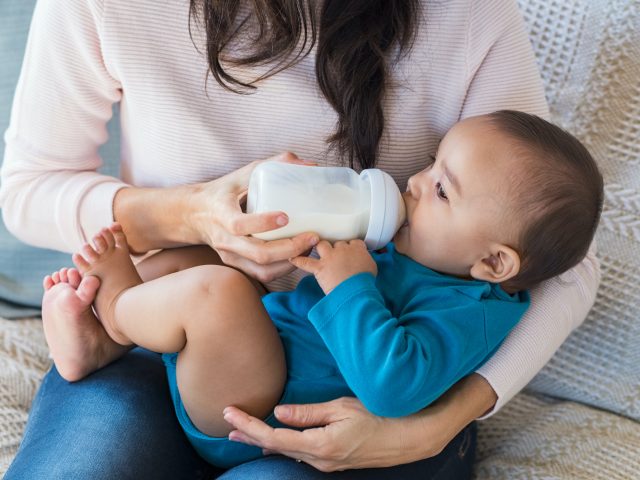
column 111, row 263
column 77, row 342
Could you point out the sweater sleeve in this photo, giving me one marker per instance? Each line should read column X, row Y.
column 503, row 74
column 397, row 366
column 51, row 194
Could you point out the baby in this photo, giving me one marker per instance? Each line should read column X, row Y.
column 509, row 201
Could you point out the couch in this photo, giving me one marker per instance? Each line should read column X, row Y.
column 579, row 417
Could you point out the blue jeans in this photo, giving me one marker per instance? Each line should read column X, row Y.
column 119, row 423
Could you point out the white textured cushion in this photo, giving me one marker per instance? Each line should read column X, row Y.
column 24, row 358
column 589, row 55
column 535, row 437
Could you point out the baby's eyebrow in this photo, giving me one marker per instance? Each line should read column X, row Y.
column 453, row 180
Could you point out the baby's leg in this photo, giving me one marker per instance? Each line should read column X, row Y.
column 230, row 352
column 176, row 259
column 77, row 341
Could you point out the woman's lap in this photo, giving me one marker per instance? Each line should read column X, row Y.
column 68, row 435
column 116, row 423
column 455, row 462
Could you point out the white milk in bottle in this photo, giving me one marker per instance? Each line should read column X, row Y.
column 334, row 202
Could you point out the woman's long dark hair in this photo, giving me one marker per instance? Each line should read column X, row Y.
column 357, row 42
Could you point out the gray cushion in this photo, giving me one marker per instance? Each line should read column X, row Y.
column 21, row 266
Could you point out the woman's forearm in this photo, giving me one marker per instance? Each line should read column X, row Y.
column 434, row 427
column 54, row 209
column 154, row 218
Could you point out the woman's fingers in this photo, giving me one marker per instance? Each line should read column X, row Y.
column 255, row 432
column 303, row 446
column 308, row 415
column 262, row 273
column 264, row 253
column 240, row 224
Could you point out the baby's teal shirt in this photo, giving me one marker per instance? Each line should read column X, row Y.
column 404, row 337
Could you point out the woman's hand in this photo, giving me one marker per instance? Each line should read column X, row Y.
column 346, row 436
column 217, row 215
column 342, row 434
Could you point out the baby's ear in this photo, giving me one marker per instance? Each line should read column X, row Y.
column 500, row 265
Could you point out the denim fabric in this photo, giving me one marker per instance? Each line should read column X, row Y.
column 454, row 463
column 119, row 423
column 21, row 266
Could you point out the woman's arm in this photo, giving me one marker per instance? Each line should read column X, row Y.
column 51, row 194
column 342, row 434
column 210, row 214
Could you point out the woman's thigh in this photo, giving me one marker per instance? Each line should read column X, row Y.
column 455, row 462
column 117, row 423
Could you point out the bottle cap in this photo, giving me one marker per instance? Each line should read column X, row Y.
column 387, row 212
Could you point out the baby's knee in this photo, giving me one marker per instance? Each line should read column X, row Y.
column 221, row 297
column 214, row 282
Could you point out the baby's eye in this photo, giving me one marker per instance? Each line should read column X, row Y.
column 440, row 191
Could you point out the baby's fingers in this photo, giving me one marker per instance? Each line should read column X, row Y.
column 323, row 248
column 308, row 264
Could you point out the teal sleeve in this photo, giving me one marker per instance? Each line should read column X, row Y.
column 397, row 366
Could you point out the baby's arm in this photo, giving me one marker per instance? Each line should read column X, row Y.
column 397, row 366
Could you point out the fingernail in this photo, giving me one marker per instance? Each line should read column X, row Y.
column 282, row 411
column 313, row 241
column 282, row 220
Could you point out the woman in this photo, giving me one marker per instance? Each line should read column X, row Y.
column 347, row 82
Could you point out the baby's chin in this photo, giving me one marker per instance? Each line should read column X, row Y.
column 397, row 241
column 400, row 243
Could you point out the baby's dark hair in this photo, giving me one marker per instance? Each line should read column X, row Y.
column 560, row 197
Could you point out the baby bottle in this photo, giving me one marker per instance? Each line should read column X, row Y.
column 334, row 202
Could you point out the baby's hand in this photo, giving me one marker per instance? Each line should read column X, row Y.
column 337, row 262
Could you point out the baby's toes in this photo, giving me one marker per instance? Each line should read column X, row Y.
column 63, row 275
column 118, row 234
column 89, row 253
column 107, row 236
column 88, row 288
column 80, row 262
column 47, row 282
column 74, row 277
column 100, row 243
column 55, row 276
